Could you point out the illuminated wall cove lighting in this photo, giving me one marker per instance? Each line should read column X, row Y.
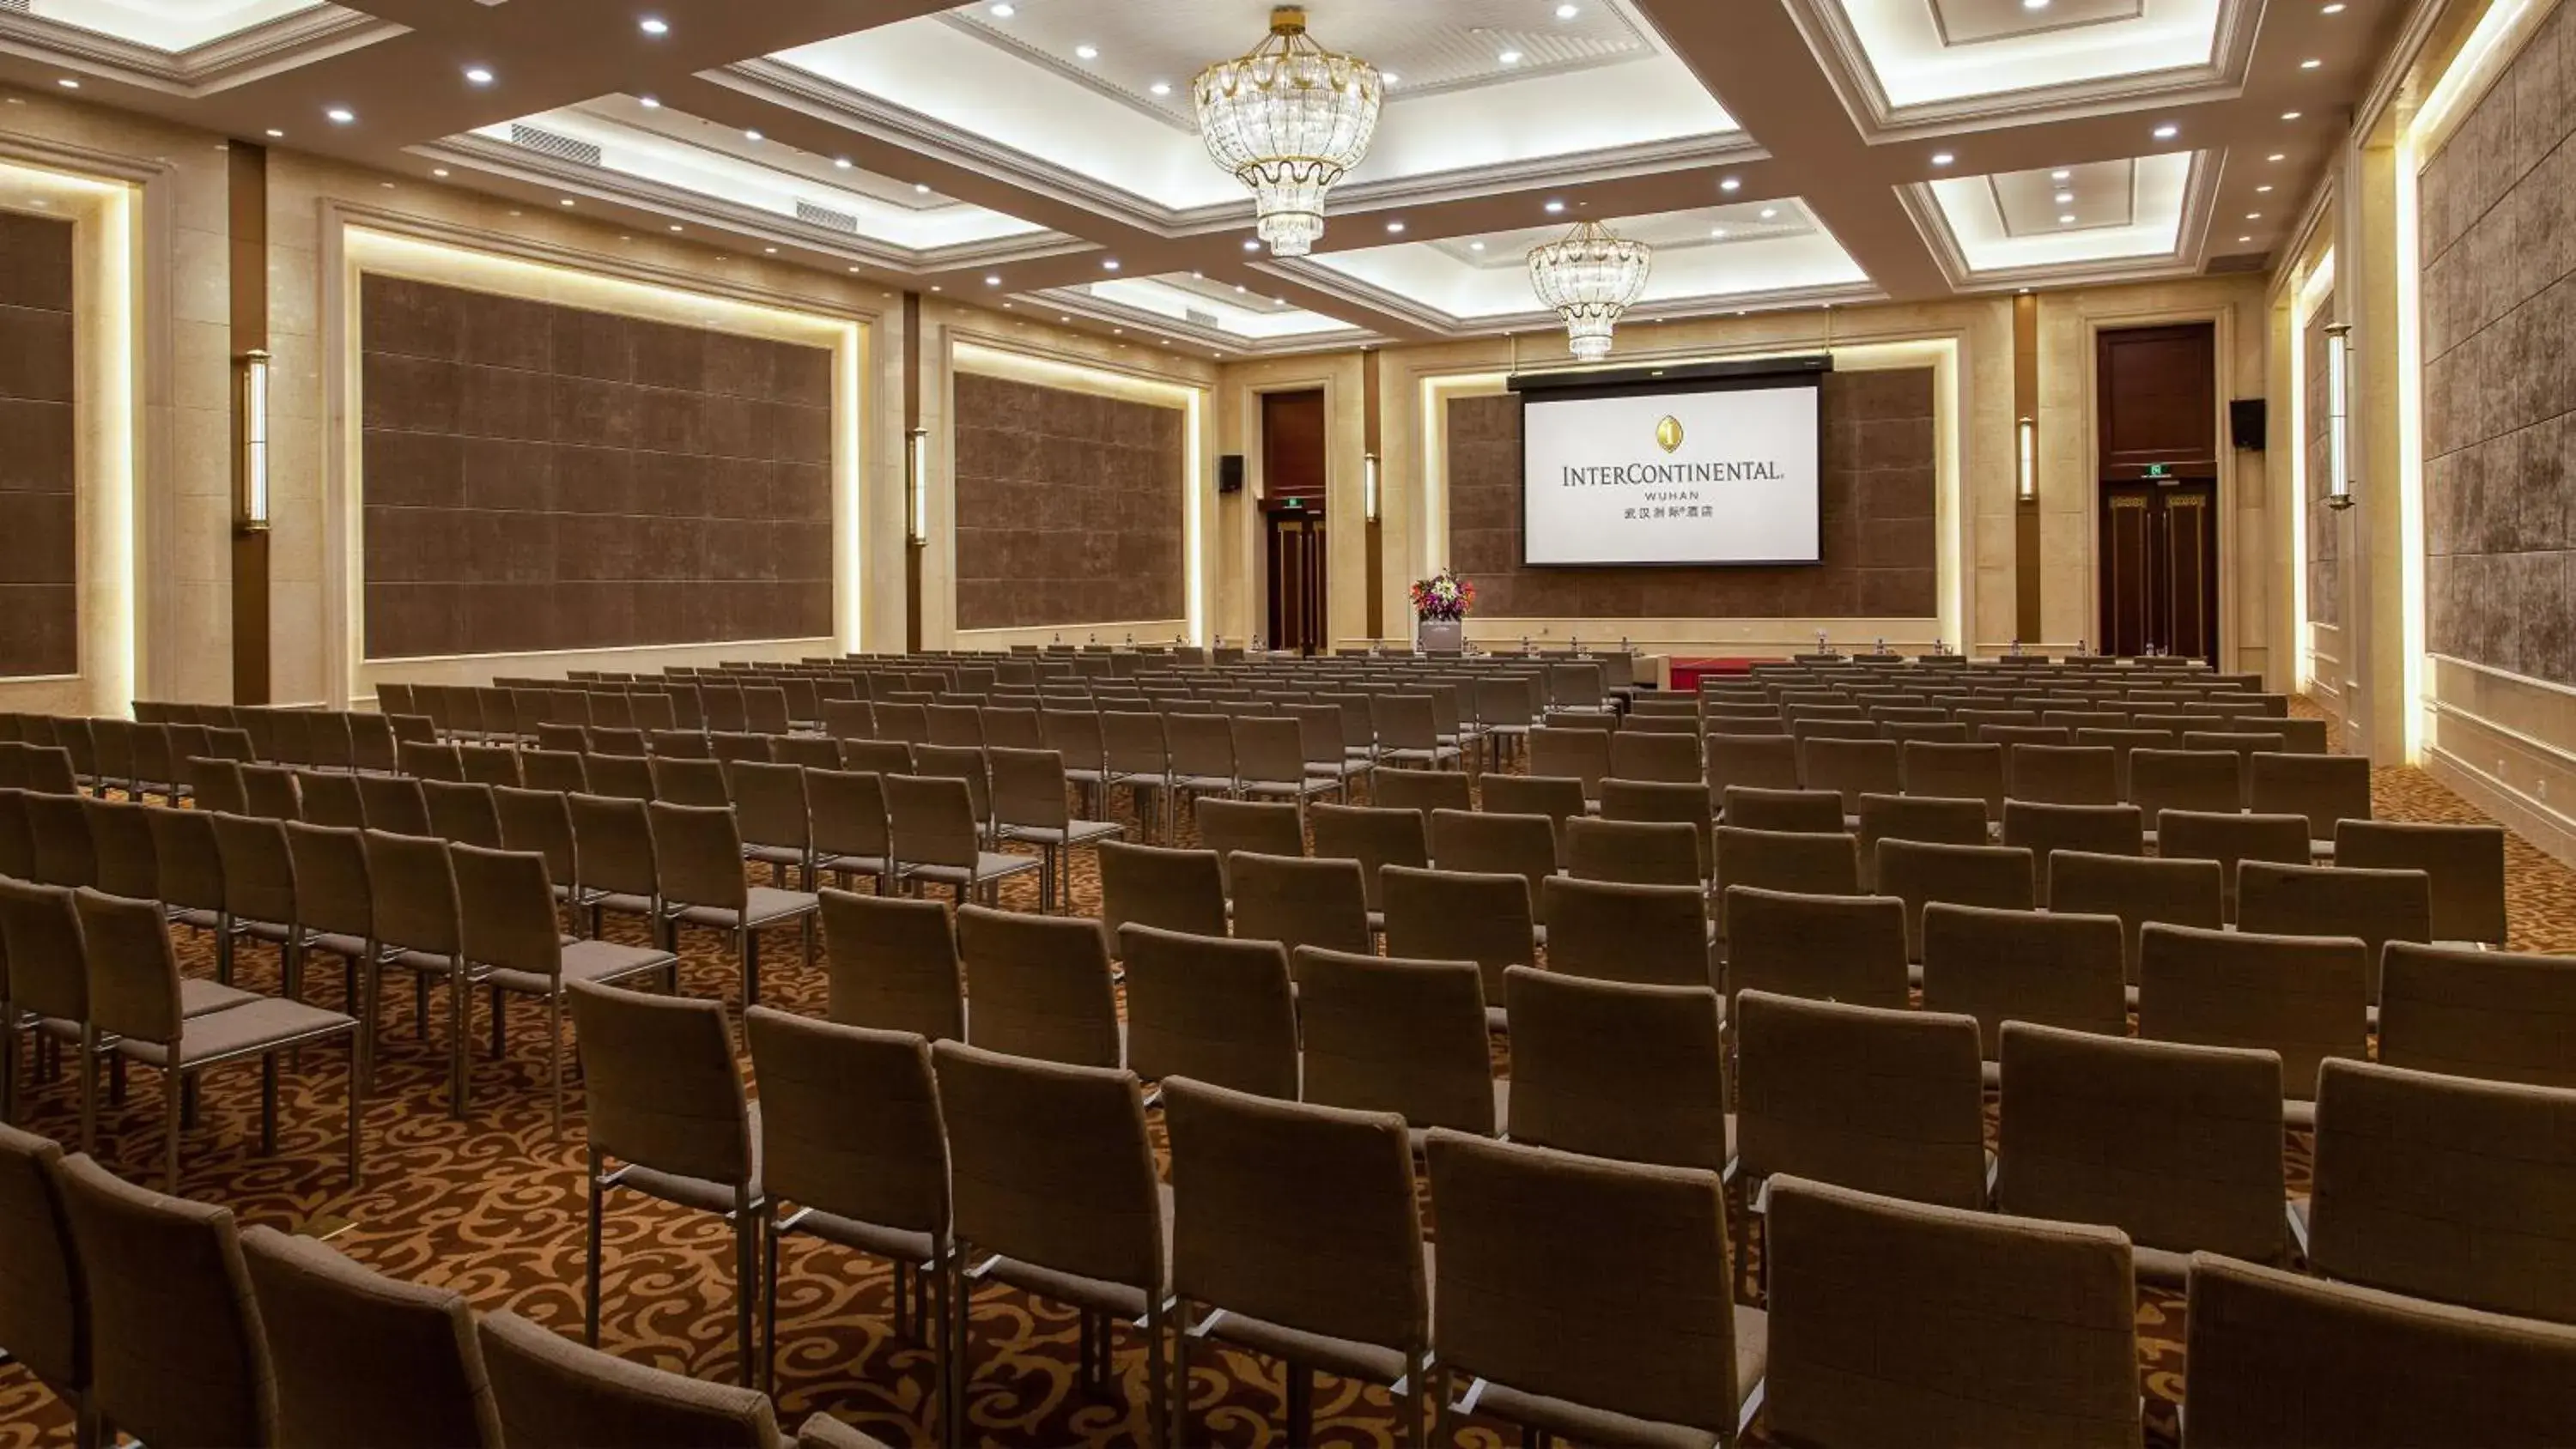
column 2026, row 455
column 250, row 465
column 1289, row 118
column 2338, row 385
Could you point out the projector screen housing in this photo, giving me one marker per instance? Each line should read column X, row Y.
column 1707, row 466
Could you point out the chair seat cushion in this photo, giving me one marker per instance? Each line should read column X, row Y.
column 250, row 1027
column 584, row 961
column 201, row 998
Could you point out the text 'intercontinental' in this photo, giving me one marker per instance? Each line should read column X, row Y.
column 1613, row 475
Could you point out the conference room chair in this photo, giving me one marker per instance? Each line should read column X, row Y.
column 1819, row 947
column 956, row 724
column 2121, row 741
column 1588, row 1298
column 1812, row 862
column 259, row 888
column 846, row 826
column 329, row 798
column 1665, row 758
column 2372, row 1370
column 335, row 911
column 1821, row 722
column 48, row 771
column 697, row 857
column 1054, row 1193
column 363, row 1358
column 2203, row 781
column 1457, row 915
column 2446, row 1188
column 213, row 784
column 1422, row 791
column 2464, row 864
column 1487, row 842
column 1759, row 807
column 1904, row 733
column 1851, row 769
column 1919, row 873
column 419, row 927
column 1877, row 1337
column 619, row 776
column 2051, row 969
column 269, row 792
column 1577, row 691
column 688, row 781
column 1666, row 717
column 1764, row 723
column 552, row 1393
column 555, row 737
column 2303, row 998
column 1559, row 752
column 1271, row 762
column 1392, row 1034
column 774, row 817
column 1614, row 1069
column 2378, row 906
column 44, row 1312
column 1558, row 797
column 1374, row 836
column 1202, row 757
column 489, row 764
column 1134, row 754
column 2215, row 736
column 1955, row 772
column 1685, row 802
column 2231, row 839
column 175, row 1351
column 2497, row 1015
column 1884, row 1100
column 614, row 836
column 58, row 827
column 1253, row 1178
column 1929, row 819
column 2327, row 789
column 424, row 761
column 891, row 964
column 1337, row 746
column 1507, row 709
column 1636, row 852
column 666, row 1103
column 813, row 752
column 540, row 822
column 559, row 770
column 2137, row 890
column 1297, row 902
column 395, row 803
column 1029, row 788
column 1408, row 731
column 120, row 838
column 1005, row 728
column 2177, row 1146
column 1219, row 1010
column 1153, row 885
column 1041, row 987
column 1655, row 934
column 2061, row 774
column 877, row 757
column 1262, row 827
column 2043, row 829
column 852, row 1142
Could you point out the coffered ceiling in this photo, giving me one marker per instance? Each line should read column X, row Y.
column 1041, row 153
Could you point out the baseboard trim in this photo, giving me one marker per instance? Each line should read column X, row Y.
column 2548, row 829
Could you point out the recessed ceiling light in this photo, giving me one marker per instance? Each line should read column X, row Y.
column 2259, row 190
column 1395, row 227
column 1117, row 331
column 67, row 83
column 1942, row 158
column 1554, row 207
column 1087, row 52
column 2253, row 216
column 438, row 171
column 675, row 226
column 2276, row 156
column 478, row 75
column 567, row 201
column 1475, row 246
column 2034, row 4
column 753, row 136
column 937, row 288
column 654, row 25
column 773, row 251
column 2289, row 115
column 2311, row 63
column 2245, row 238
column 841, row 162
column 992, row 281
column 1731, row 184
column 1388, row 76
column 1160, row 88
column 2334, row 9
column 275, row 134
column 1063, row 319
column 1717, row 231
column 2066, row 218
column 2060, row 174
column 1509, row 57
column 1769, row 212
column 650, row 103
column 1568, row 12
column 341, row 115
column 1252, row 244
column 1005, row 12
column 1109, row 264
column 2064, row 197
column 2167, row 131
column 921, row 188
column 2025, row 291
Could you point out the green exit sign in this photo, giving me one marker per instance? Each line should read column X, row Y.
column 2155, row 470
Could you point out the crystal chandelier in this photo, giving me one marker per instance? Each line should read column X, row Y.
column 1289, row 119
column 1590, row 276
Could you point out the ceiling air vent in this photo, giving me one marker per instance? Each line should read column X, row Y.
column 554, row 143
column 2238, row 262
column 812, row 215
column 1197, row 318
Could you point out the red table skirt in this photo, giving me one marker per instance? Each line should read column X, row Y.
column 1686, row 672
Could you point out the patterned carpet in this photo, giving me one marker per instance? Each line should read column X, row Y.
column 493, row 1208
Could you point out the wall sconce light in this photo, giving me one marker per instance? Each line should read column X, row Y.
column 2026, row 458
column 250, row 428
column 2338, row 413
column 916, row 484
column 1368, row 487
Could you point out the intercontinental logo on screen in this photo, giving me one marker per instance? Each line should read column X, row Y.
column 1649, row 473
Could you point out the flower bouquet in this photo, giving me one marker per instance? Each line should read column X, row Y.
column 1440, row 605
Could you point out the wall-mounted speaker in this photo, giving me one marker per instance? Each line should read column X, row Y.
column 1229, row 473
column 2245, row 423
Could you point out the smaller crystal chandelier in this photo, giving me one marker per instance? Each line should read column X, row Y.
column 1590, row 276
column 1289, row 119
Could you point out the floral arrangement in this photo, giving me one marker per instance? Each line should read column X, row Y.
column 1443, row 598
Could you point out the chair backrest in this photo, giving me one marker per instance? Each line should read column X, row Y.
column 1619, row 1070
column 1668, row 758
column 1264, row 827
column 489, row 764
column 2465, row 864
column 259, row 870
column 1252, row 1175
column 1976, row 1328
column 662, row 1083
column 1956, row 772
column 1212, row 1008
column 891, row 964
column 1050, row 1165
column 1851, row 768
column 2042, row 828
column 177, row 1350
column 615, row 835
column 2138, row 891
column 1041, row 986
column 120, row 837
column 1930, row 819
column 1761, row 761
column 44, row 1314
column 2303, row 997
column 2326, row 789
column 58, row 826
column 1459, row 915
column 1151, row 885
column 553, row 1393
column 1297, row 902
column 1634, row 851
column 1919, row 873
column 2284, row 1358
column 1394, row 1035
column 1653, row 934
column 1810, row 812
column 397, row 803
column 362, row 1358
column 2178, row 1146
column 329, row 797
column 2376, row 906
column 849, row 1121
column 2050, row 969
column 1577, row 754
column 507, row 902
column 464, row 813
column 1604, row 1283
column 2498, row 1015
column 1421, row 790
column 2202, row 780
column 2231, row 839
column 270, row 791
column 1884, row 1101
column 2445, row 1188
column 1821, row 947
column 697, row 853
column 333, row 890
column 769, row 803
column 846, row 812
column 1811, row 862
column 2062, row 774
column 624, row 777
column 697, row 782
column 415, row 899
column 1028, row 787
column 1372, row 836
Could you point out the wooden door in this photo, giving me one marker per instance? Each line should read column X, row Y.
column 1296, row 558
column 2160, row 568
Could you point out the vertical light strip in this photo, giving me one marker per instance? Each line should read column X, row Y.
column 850, row 570
column 2315, row 290
column 916, row 484
column 114, row 681
column 1194, row 536
column 2026, row 445
column 2410, row 443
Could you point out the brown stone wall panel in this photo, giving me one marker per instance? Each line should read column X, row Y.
column 39, row 452
column 2498, row 242
column 36, row 450
column 541, row 478
column 1069, row 507
column 1877, row 507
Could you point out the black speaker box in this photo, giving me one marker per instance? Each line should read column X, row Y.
column 2245, row 423
column 1229, row 473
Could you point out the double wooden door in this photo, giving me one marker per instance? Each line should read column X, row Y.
column 2159, row 557
column 1296, row 544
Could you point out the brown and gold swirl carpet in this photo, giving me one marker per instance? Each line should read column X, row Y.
column 493, row 1207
